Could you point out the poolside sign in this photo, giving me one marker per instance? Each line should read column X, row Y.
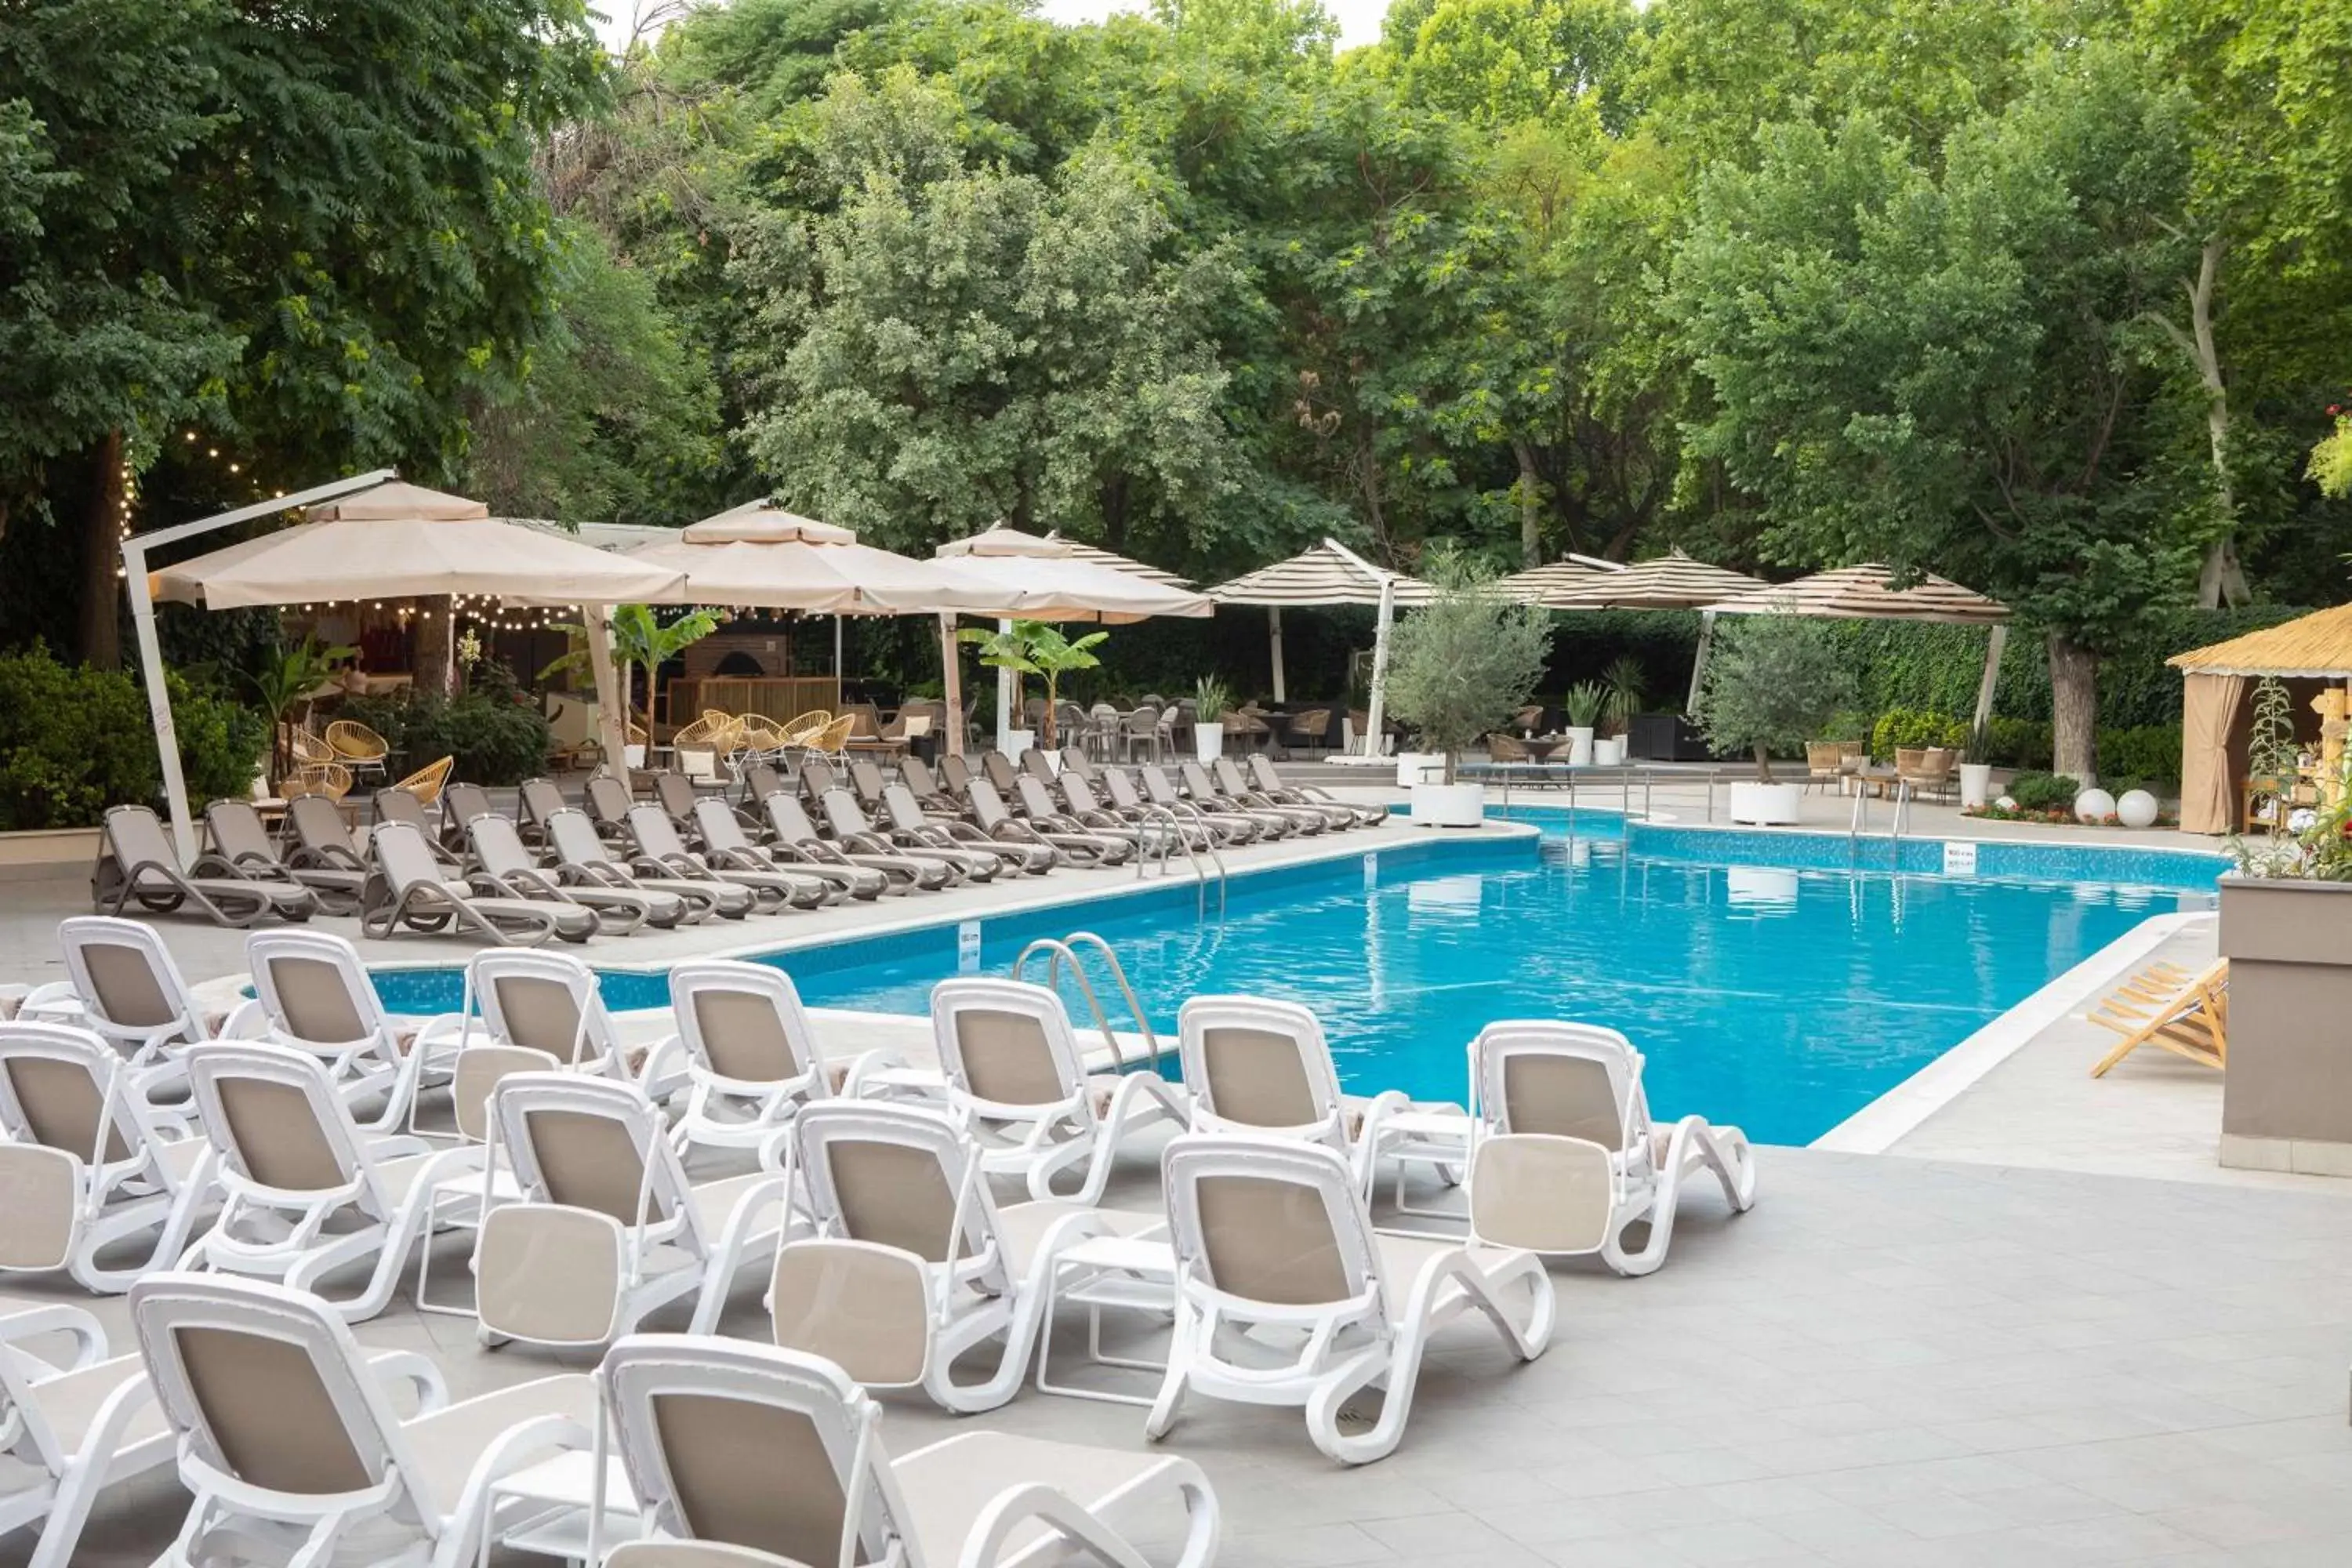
column 1371, row 869
column 968, row 947
column 1960, row 857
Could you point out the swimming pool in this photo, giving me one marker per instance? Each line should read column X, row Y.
column 1778, row 981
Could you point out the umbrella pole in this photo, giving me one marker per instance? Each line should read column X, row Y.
column 1698, row 659
column 1274, row 641
column 951, row 683
column 159, row 697
column 612, row 727
column 1376, row 713
column 1004, row 679
column 1994, row 644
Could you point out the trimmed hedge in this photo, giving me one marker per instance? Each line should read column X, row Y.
column 74, row 741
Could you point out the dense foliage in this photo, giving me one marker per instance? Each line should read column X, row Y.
column 1462, row 666
column 74, row 741
column 494, row 731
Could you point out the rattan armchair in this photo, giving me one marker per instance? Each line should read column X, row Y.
column 357, row 747
column 331, row 779
column 426, row 783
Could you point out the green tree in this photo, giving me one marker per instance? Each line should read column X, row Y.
column 1039, row 649
column 1771, row 685
column 1461, row 664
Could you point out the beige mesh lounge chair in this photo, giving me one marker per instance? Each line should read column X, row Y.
column 777, row 1453
column 1200, row 830
column 990, row 815
column 1568, row 1159
column 1236, row 826
column 503, row 864
column 1231, row 785
column 328, row 781
column 415, row 897
column 458, row 1201
column 855, row 836
column 1017, row 1082
column 136, row 864
column 1260, row 1065
column 791, row 833
column 1204, row 792
column 1272, row 1233
column 607, row 1228
column 914, row 1267
column 71, row 1428
column 392, row 804
column 122, row 983
column 535, row 800
column 304, row 1192
column 728, row 847
column 293, row 1449
column 550, row 1002
column 660, row 852
column 239, row 846
column 584, row 859
column 460, row 804
column 89, row 1170
column 1268, row 782
column 312, row 992
column 2172, row 1009
column 322, row 839
column 607, row 801
column 1113, row 846
column 978, row 857
column 751, row 1060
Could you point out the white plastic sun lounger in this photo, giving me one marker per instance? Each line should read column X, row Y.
column 662, row 853
column 72, row 1428
column 608, row 1229
column 415, row 898
column 458, row 1200
column 136, row 864
column 304, row 1193
column 122, row 983
column 503, row 862
column 293, row 1449
column 1568, row 1156
column 312, row 993
column 88, row 1167
column 728, row 847
column 1016, row 1081
column 1259, row 1065
column 1272, row 1233
column 767, row 1451
column 913, row 1264
column 752, row 1062
column 585, row 857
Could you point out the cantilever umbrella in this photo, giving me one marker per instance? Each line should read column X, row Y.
column 762, row 555
column 375, row 537
column 1330, row 574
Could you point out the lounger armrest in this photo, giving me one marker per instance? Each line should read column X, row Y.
column 1011, row 1510
column 248, row 1021
column 86, row 1333
column 394, row 1367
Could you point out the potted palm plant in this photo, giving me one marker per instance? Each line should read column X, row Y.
column 1209, row 699
column 1773, row 682
column 1038, row 649
column 1583, row 704
column 1623, row 679
column 1459, row 670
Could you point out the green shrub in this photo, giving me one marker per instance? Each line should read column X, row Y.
column 496, row 734
column 2144, row 751
column 74, row 741
column 2044, row 791
column 1903, row 728
column 2018, row 743
column 1847, row 724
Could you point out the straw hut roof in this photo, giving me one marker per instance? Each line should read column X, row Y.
column 2317, row 647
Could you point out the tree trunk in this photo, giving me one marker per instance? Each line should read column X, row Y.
column 2073, row 709
column 1763, row 763
column 2222, row 580
column 102, row 559
column 1531, row 508
column 436, row 646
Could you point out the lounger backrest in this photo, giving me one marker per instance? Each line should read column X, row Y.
column 398, row 805
column 1157, row 784
column 1197, row 782
column 998, row 769
column 656, row 834
column 543, row 1001
column 1080, row 799
column 753, row 1447
column 1256, row 1062
column 136, row 837
column 1560, row 1079
column 273, row 1115
column 762, row 780
column 844, row 815
column 266, row 1385
column 744, row 1023
column 721, row 831
column 987, row 805
column 1035, row 804
column 125, row 976
column 607, row 799
column 674, row 792
column 319, row 827
column 498, row 845
column 1007, row 1044
column 817, row 777
column 916, row 776
column 894, row 1175
column 906, row 815
column 1228, row 778
column 540, row 799
column 954, row 774
column 788, row 819
column 865, row 779
column 57, row 1088
column 592, row 1143
column 476, row 1077
column 315, row 989
column 460, row 804
column 237, row 832
column 1261, row 774
column 1268, row 1221
column 1074, row 760
column 1036, row 764
column 1122, row 790
column 575, row 841
column 405, row 857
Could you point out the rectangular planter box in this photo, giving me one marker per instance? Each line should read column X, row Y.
column 46, row 852
column 2287, row 1096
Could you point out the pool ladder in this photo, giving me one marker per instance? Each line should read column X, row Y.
column 1062, row 950
column 1861, row 818
column 1174, row 837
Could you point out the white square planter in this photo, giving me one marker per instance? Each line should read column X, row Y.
column 1420, row 767
column 1448, row 806
column 1765, row 804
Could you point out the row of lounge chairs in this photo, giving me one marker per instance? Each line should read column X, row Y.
column 264, row 1150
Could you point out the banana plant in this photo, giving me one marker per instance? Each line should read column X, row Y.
column 1039, row 649
column 639, row 638
column 290, row 676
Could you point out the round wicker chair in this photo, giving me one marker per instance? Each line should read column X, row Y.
column 331, row 779
column 356, row 746
column 426, row 783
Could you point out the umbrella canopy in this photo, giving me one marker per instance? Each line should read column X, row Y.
column 1552, row 587
column 1053, row 582
column 1669, row 581
column 398, row 541
column 2317, row 646
column 1861, row 593
column 1326, row 575
column 1082, row 551
column 761, row 555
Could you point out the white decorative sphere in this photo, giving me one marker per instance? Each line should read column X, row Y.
column 2007, row 803
column 2094, row 805
column 2136, row 809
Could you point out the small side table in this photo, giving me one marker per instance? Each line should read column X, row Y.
column 1136, row 1274
column 543, row 1508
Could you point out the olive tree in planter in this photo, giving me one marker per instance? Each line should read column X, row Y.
column 1773, row 682
column 1458, row 670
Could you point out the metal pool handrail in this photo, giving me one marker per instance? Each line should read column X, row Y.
column 1174, row 837
column 1063, row 948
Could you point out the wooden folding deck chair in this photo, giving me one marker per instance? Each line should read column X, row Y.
column 2166, row 1006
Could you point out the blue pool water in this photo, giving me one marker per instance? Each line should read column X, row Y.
column 1771, row 981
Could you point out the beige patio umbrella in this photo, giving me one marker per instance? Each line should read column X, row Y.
column 376, row 537
column 1055, row 582
column 1669, row 581
column 1548, row 585
column 1330, row 574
